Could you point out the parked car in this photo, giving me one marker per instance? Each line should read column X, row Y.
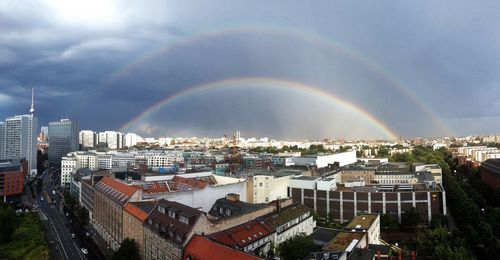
column 85, row 251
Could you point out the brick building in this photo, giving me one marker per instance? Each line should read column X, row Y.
column 109, row 201
column 344, row 203
column 168, row 229
column 12, row 175
column 489, row 172
column 134, row 215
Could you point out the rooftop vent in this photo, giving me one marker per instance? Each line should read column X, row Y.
column 233, row 197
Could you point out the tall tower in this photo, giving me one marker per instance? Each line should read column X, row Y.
column 32, row 109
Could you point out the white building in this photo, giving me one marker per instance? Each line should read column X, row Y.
column 87, row 139
column 291, row 221
column 2, row 139
column 322, row 161
column 201, row 197
column 131, row 139
column 68, row 165
column 113, row 140
column 20, row 139
column 263, row 188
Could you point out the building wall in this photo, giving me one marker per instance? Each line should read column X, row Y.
column 356, row 175
column 203, row 198
column 87, row 198
column 263, row 189
column 156, row 247
column 63, row 139
column 108, row 218
column 133, row 228
column 489, row 177
column 345, row 205
column 306, row 226
column 20, row 139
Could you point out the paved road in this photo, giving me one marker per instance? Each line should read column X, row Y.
column 58, row 225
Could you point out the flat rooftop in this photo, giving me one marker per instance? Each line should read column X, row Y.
column 342, row 240
column 362, row 221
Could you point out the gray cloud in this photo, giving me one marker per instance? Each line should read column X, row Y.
column 445, row 54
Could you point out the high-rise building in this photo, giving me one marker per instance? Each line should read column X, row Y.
column 44, row 130
column 63, row 138
column 88, row 139
column 20, row 139
column 111, row 139
column 131, row 139
column 2, row 139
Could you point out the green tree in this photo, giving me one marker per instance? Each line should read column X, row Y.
column 128, row 251
column 387, row 221
column 297, row 247
column 439, row 243
column 410, row 218
column 7, row 222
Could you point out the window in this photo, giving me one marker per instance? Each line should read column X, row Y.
column 183, row 219
column 161, row 209
column 260, row 184
column 171, row 214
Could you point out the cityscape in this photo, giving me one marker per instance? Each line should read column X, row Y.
column 249, row 130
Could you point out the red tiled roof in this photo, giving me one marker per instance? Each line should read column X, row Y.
column 121, row 187
column 201, row 248
column 244, row 234
column 136, row 212
column 191, row 182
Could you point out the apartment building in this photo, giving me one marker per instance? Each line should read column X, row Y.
column 109, row 201
column 134, row 216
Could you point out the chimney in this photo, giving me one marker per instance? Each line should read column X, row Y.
column 233, row 197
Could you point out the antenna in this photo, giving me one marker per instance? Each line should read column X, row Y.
column 32, row 109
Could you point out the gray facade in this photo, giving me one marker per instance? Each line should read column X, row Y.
column 20, row 139
column 63, row 138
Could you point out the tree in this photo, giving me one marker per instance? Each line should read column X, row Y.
column 297, row 247
column 410, row 218
column 439, row 243
column 7, row 222
column 128, row 251
column 386, row 221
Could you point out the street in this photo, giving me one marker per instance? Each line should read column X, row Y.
column 58, row 225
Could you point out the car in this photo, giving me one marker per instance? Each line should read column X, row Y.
column 73, row 235
column 41, row 198
column 87, row 234
column 84, row 250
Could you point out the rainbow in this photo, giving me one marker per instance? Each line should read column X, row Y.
column 315, row 39
column 263, row 83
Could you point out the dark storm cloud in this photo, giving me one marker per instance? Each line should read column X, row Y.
column 446, row 54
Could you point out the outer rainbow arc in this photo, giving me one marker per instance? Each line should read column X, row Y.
column 312, row 38
column 262, row 82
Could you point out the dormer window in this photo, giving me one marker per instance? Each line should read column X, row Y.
column 171, row 214
column 183, row 219
column 161, row 209
column 179, row 238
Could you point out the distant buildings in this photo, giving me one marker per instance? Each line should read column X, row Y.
column 388, row 190
column 87, row 139
column 63, row 138
column 110, row 139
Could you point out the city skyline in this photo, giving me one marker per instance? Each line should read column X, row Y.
column 371, row 70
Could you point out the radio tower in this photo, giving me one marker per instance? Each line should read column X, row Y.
column 32, row 109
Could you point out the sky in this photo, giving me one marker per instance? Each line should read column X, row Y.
column 281, row 69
